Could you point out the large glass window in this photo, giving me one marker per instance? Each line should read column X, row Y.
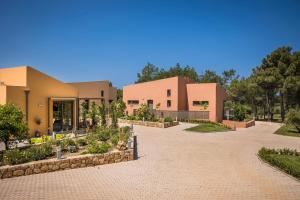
column 63, row 115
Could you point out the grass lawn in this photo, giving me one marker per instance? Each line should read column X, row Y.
column 288, row 131
column 286, row 160
column 208, row 127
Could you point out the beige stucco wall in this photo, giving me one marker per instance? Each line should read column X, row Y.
column 15, row 76
column 207, row 92
column 41, row 87
column 3, row 94
column 153, row 90
column 16, row 95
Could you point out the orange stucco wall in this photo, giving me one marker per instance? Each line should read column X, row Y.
column 210, row 92
column 153, row 90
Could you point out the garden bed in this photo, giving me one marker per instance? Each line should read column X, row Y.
column 45, row 150
column 285, row 159
column 73, row 162
column 238, row 124
column 149, row 123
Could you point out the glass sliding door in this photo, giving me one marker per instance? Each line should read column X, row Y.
column 63, row 115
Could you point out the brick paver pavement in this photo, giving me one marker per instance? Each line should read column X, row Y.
column 174, row 164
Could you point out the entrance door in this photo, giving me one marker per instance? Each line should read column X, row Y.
column 150, row 104
column 63, row 115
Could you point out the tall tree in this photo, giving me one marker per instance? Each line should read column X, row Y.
column 148, row 73
column 210, row 77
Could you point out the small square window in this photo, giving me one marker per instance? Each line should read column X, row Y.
column 168, row 92
column 169, row 103
column 102, row 93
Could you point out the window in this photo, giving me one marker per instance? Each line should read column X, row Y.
column 102, row 101
column 169, row 103
column 168, row 92
column 110, row 101
column 200, row 103
column 102, row 93
column 132, row 102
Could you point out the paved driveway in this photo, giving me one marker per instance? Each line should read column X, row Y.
column 174, row 164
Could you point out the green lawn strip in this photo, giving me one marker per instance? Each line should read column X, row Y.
column 207, row 128
column 287, row 163
column 287, row 131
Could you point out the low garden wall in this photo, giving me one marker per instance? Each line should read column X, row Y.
column 236, row 124
column 52, row 165
column 148, row 123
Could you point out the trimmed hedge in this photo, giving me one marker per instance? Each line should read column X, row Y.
column 285, row 159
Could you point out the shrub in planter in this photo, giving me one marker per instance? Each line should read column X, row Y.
column 168, row 119
column 38, row 152
column 69, row 144
column 102, row 133
column 81, row 142
column 95, row 148
column 14, row 157
column 115, row 139
column 239, row 112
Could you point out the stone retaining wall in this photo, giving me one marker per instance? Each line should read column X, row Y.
column 148, row 123
column 236, row 124
column 45, row 166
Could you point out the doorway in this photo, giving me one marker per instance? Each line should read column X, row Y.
column 63, row 115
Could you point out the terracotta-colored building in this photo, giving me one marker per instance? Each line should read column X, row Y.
column 55, row 103
column 177, row 97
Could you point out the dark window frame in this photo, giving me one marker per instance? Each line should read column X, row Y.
column 169, row 103
column 169, row 92
column 200, row 103
column 133, row 102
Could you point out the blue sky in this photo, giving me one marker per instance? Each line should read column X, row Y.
column 95, row 40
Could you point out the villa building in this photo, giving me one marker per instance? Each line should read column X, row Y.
column 177, row 97
column 55, row 104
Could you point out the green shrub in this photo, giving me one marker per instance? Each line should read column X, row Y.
column 239, row 112
column 67, row 143
column 143, row 112
column 293, row 118
column 14, row 157
column 103, row 133
column 81, row 142
column 38, row 152
column 115, row 139
column 95, row 148
column 168, row 119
